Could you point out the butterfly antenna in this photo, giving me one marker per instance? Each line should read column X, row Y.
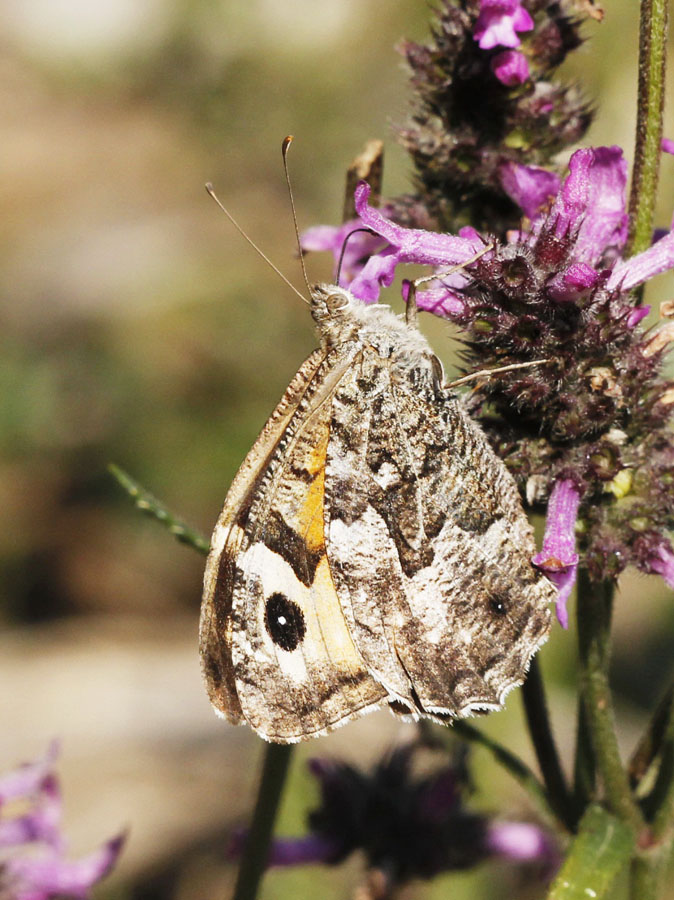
column 285, row 146
column 211, row 192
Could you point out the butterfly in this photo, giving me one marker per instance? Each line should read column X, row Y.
column 372, row 550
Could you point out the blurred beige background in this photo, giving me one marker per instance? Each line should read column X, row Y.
column 137, row 327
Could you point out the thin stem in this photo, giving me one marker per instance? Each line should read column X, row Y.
column 594, row 626
column 661, row 798
column 148, row 504
column 646, row 873
column 514, row 765
column 585, row 764
column 651, row 741
column 652, row 59
column 256, row 851
column 540, row 731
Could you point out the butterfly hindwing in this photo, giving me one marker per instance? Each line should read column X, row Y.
column 428, row 545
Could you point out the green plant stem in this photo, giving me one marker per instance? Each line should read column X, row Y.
column 513, row 764
column 255, row 854
column 585, row 765
column 594, row 605
column 652, row 739
column 540, row 731
column 650, row 103
column 148, row 504
column 646, row 872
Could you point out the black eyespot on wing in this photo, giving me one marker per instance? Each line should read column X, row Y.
column 284, row 621
column 497, row 606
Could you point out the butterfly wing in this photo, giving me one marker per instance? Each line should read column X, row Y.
column 428, row 546
column 274, row 617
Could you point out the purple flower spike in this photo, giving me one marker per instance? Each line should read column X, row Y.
column 592, row 202
column 498, row 23
column 667, row 145
column 510, row 67
column 407, row 245
column 558, row 558
column 530, row 187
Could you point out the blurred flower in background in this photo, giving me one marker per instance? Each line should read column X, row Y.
column 33, row 865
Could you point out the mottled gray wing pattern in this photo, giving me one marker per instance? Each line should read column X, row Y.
column 428, row 545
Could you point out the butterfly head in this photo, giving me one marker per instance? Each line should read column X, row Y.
column 335, row 312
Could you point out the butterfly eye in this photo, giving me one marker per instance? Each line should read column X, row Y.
column 284, row 622
column 336, row 301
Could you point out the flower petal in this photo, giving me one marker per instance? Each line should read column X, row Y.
column 408, row 245
column 662, row 562
column 332, row 238
column 522, row 842
column 28, row 779
column 592, row 202
column 558, row 557
column 529, row 186
column 510, row 67
column 498, row 23
column 302, row 851
column 39, row 878
column 568, row 286
column 659, row 257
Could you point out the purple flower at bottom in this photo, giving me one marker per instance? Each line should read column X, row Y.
column 32, row 863
column 558, row 558
column 510, row 67
column 498, row 23
column 411, row 826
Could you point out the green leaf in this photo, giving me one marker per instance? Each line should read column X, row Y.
column 599, row 851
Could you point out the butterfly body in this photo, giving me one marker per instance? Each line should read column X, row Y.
column 372, row 548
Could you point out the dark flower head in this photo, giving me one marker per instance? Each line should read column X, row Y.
column 485, row 96
column 32, row 848
column 407, row 825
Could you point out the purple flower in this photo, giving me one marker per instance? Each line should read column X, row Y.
column 667, row 145
column 591, row 203
column 510, row 67
column 32, row 864
column 531, row 187
column 523, row 842
column 332, row 238
column 498, row 23
column 558, row 558
column 660, row 561
column 405, row 245
column 408, row 825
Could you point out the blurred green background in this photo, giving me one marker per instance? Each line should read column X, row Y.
column 137, row 327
